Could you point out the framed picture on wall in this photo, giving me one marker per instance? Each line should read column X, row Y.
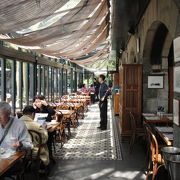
column 156, row 81
column 176, row 111
column 177, row 50
column 177, row 79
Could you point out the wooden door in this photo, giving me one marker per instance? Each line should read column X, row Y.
column 132, row 96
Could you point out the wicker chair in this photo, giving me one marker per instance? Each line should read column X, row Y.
column 136, row 132
column 155, row 157
column 35, row 162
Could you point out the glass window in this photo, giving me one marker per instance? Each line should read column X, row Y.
column 0, row 78
column 46, row 85
column 50, row 84
column 18, row 85
column 55, row 83
column 66, row 86
column 31, row 83
column 38, row 79
column 25, row 84
column 9, row 81
column 68, row 80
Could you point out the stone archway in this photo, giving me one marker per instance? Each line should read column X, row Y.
column 155, row 61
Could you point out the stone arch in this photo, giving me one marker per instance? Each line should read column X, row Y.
column 157, row 45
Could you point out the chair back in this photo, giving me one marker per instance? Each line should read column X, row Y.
column 36, row 137
column 60, row 117
column 132, row 122
column 153, row 144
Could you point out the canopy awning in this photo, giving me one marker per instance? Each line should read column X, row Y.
column 66, row 29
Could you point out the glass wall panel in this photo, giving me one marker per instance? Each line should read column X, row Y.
column 19, row 89
column 50, row 84
column 25, row 84
column 31, row 83
column 43, row 80
column 9, row 92
column 46, row 85
column 68, row 80
column 55, row 83
column 1, row 79
column 38, row 79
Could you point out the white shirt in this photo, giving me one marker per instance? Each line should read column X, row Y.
column 18, row 132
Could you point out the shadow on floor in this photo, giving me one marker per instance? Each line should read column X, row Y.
column 131, row 167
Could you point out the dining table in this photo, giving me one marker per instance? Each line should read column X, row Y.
column 154, row 118
column 166, row 133
column 7, row 163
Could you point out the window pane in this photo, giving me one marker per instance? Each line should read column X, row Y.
column 9, row 81
column 46, row 83
column 50, row 85
column 31, row 86
column 0, row 78
column 25, row 84
column 18, row 85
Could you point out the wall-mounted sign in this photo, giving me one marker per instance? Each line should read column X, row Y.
column 176, row 111
column 177, row 79
column 177, row 50
column 156, row 81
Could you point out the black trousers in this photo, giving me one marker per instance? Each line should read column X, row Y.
column 103, row 113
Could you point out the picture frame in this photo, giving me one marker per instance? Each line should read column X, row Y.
column 177, row 79
column 155, row 81
column 176, row 111
column 177, row 50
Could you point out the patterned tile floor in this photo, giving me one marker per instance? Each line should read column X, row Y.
column 87, row 142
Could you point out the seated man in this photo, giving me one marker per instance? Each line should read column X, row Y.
column 13, row 135
column 28, row 116
column 12, row 129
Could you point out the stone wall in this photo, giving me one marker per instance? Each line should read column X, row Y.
column 158, row 12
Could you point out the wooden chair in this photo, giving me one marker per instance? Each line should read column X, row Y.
column 35, row 161
column 136, row 132
column 80, row 112
column 61, row 129
column 155, row 157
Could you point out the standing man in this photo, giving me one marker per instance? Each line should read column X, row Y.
column 103, row 94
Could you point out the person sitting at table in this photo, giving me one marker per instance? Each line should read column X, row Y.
column 13, row 132
column 41, row 106
column 84, row 89
column 28, row 116
column 13, row 136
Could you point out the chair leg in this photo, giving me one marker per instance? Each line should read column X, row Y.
column 155, row 168
column 132, row 143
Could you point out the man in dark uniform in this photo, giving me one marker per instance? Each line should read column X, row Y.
column 103, row 94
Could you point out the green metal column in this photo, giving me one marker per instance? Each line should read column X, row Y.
column 3, row 79
column 61, row 81
column 75, row 81
column 27, row 82
column 72, row 81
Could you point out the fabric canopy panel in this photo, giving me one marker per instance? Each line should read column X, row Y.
column 95, row 57
column 55, row 31
column 68, row 28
